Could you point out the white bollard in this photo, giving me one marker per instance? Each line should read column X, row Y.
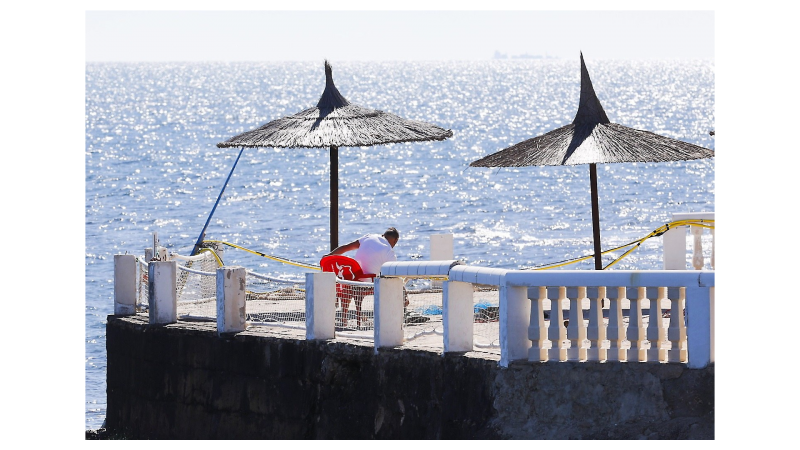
column 700, row 326
column 441, row 247
column 125, row 285
column 162, row 287
column 231, row 296
column 515, row 316
column 674, row 242
column 320, row 305
column 388, row 312
column 457, row 316
column 441, row 250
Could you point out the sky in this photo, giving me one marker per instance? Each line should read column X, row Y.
column 395, row 35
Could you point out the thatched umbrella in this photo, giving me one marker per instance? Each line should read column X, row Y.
column 335, row 123
column 592, row 139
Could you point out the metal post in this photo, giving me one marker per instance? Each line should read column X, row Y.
column 598, row 262
column 203, row 233
column 334, row 197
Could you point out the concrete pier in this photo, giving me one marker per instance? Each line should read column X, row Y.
column 184, row 381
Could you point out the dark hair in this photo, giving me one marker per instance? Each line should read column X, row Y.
column 391, row 232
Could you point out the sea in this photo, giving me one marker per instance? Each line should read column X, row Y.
column 153, row 167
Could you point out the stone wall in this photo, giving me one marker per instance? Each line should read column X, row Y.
column 182, row 381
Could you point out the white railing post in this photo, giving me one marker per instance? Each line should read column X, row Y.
column 515, row 314
column 537, row 332
column 441, row 250
column 674, row 242
column 388, row 312
column 457, row 316
column 125, row 285
column 231, row 296
column 441, row 247
column 320, row 305
column 700, row 326
column 713, row 331
column 162, row 286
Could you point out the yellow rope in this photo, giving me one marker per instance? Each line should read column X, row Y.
column 219, row 261
column 702, row 223
column 274, row 258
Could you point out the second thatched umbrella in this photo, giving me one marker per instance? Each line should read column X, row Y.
column 335, row 123
column 592, row 139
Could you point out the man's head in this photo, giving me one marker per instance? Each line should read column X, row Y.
column 392, row 235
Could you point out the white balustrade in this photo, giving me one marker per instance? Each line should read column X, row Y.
column 675, row 243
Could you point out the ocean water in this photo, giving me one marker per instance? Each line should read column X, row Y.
column 152, row 165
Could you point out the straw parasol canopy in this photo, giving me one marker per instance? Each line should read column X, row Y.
column 335, row 123
column 592, row 139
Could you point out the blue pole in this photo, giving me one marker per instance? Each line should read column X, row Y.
column 203, row 233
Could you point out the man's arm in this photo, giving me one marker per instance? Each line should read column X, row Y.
column 344, row 248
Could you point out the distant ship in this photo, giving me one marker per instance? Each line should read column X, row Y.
column 498, row 55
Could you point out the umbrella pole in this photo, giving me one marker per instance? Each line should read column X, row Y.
column 203, row 233
column 334, row 197
column 598, row 263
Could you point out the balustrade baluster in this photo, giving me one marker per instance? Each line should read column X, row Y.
column 616, row 326
column 637, row 335
column 537, row 332
column 576, row 330
column 556, row 332
column 697, row 247
column 596, row 330
column 677, row 328
column 656, row 332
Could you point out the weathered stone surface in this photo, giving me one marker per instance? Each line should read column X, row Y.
column 182, row 381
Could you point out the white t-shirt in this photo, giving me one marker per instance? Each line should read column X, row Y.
column 373, row 251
